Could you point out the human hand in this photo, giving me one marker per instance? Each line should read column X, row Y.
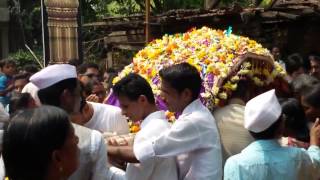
column 315, row 133
column 93, row 98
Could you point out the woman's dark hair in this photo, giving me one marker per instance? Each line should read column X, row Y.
column 312, row 95
column 182, row 76
column 19, row 101
column 133, row 86
column 269, row 133
column 30, row 139
column 51, row 95
column 295, row 120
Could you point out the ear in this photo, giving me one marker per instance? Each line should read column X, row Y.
column 186, row 94
column 56, row 158
column 142, row 99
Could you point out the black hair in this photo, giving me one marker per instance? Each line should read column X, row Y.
column 293, row 63
column 31, row 68
column 111, row 70
column 110, row 80
column 133, row 86
column 295, row 119
column 81, row 69
column 182, row 76
column 303, row 81
column 312, row 95
column 30, row 139
column 51, row 95
column 4, row 62
column 270, row 132
column 74, row 62
column 19, row 101
column 21, row 76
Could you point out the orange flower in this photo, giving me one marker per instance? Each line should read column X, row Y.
column 134, row 128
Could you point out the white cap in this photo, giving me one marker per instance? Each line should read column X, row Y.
column 53, row 74
column 261, row 112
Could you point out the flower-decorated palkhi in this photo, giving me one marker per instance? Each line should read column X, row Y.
column 222, row 59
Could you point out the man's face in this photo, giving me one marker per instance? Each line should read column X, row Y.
column 276, row 53
column 311, row 112
column 132, row 109
column 72, row 101
column 297, row 72
column 315, row 68
column 99, row 91
column 19, row 84
column 171, row 97
column 91, row 75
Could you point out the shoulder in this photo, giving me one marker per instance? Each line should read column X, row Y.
column 155, row 127
column 105, row 108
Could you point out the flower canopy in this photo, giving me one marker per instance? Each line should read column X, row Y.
column 220, row 57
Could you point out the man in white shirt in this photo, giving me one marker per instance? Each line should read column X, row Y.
column 103, row 118
column 58, row 86
column 107, row 118
column 137, row 102
column 194, row 137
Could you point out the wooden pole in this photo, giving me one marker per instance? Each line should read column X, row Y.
column 147, row 22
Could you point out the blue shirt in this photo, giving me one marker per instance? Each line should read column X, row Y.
column 3, row 85
column 267, row 160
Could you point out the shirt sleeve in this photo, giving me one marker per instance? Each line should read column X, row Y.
column 314, row 154
column 231, row 170
column 122, row 126
column 100, row 169
column 116, row 174
column 184, row 136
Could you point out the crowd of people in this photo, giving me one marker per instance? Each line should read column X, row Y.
column 55, row 124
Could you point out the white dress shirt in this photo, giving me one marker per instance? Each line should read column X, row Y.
column 107, row 118
column 194, row 139
column 93, row 156
column 154, row 168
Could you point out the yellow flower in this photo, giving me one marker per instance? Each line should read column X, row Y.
column 223, row 95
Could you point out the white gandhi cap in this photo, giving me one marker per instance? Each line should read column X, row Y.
column 53, row 74
column 261, row 112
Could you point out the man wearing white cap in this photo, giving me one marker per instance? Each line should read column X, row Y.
column 265, row 159
column 58, row 86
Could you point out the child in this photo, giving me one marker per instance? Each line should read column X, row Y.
column 8, row 69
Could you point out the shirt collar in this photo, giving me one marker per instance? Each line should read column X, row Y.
column 192, row 106
column 262, row 145
column 154, row 115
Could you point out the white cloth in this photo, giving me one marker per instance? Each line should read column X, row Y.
column 262, row 111
column 48, row 76
column 107, row 118
column 4, row 116
column 154, row 168
column 33, row 91
column 2, row 169
column 93, row 156
column 194, row 139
